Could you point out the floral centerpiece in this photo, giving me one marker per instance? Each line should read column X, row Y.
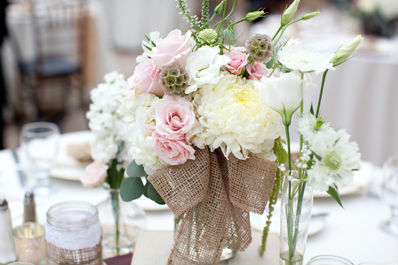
column 206, row 125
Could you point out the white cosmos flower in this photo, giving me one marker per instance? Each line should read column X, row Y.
column 335, row 160
column 303, row 59
column 283, row 93
column 233, row 116
column 204, row 67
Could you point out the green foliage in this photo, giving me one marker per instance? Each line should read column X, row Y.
column 332, row 191
column 134, row 170
column 115, row 174
column 132, row 188
column 151, row 193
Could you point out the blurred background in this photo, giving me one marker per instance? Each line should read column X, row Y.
column 54, row 51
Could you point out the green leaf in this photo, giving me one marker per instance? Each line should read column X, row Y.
column 134, row 170
column 152, row 194
column 335, row 195
column 280, row 151
column 131, row 189
column 312, row 109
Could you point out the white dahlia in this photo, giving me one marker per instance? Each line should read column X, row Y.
column 234, row 117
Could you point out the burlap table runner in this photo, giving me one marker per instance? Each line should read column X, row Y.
column 213, row 196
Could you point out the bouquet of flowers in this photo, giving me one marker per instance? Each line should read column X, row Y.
column 207, row 124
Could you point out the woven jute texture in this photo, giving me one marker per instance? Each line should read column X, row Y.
column 62, row 256
column 213, row 196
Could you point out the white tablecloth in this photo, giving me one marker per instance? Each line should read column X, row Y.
column 351, row 232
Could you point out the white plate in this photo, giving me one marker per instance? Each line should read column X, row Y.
column 149, row 205
column 66, row 167
column 359, row 183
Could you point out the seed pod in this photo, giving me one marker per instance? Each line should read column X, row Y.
column 174, row 81
column 260, row 47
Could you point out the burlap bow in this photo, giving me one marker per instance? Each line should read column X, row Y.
column 213, row 196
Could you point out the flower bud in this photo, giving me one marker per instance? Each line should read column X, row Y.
column 289, row 12
column 251, row 16
column 208, row 36
column 310, row 15
column 342, row 53
column 219, row 7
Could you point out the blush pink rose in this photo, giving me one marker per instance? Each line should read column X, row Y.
column 257, row 70
column 238, row 60
column 94, row 174
column 146, row 78
column 174, row 117
column 174, row 49
column 173, row 152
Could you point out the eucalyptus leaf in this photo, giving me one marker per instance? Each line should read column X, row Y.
column 335, row 195
column 134, row 170
column 152, row 194
column 131, row 189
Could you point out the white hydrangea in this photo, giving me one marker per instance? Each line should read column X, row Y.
column 303, row 59
column 233, row 116
column 104, row 121
column 335, row 160
column 138, row 113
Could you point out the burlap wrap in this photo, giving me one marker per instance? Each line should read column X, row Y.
column 86, row 256
column 213, row 196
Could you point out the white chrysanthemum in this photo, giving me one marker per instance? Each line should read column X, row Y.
column 104, row 120
column 300, row 58
column 308, row 126
column 233, row 116
column 138, row 112
column 204, row 67
column 336, row 158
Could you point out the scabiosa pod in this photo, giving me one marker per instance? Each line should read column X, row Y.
column 260, row 47
column 173, row 81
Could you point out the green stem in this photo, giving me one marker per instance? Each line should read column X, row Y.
column 298, row 215
column 321, row 93
column 277, row 32
column 116, row 215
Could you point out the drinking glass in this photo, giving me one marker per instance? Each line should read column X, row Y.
column 39, row 143
column 390, row 194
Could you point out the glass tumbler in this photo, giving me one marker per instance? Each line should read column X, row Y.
column 39, row 144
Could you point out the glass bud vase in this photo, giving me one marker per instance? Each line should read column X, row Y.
column 296, row 207
column 226, row 253
column 121, row 222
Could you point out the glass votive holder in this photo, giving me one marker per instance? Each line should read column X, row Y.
column 73, row 234
column 30, row 243
column 329, row 260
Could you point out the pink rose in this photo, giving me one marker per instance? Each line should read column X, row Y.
column 174, row 49
column 173, row 152
column 94, row 174
column 174, row 117
column 238, row 60
column 146, row 78
column 257, row 70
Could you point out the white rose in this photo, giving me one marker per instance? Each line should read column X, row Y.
column 204, row 66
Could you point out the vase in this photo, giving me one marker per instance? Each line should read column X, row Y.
column 121, row 222
column 296, row 206
column 226, row 253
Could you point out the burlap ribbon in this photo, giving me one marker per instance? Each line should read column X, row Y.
column 85, row 256
column 213, row 196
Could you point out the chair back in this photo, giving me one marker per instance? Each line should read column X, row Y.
column 60, row 29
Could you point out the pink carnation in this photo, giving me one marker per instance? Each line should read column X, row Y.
column 146, row 78
column 94, row 174
column 257, row 70
column 238, row 60
column 174, row 117
column 173, row 152
column 174, row 49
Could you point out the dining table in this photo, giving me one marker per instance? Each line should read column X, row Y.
column 351, row 231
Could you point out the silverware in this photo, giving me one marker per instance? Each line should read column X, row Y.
column 21, row 174
column 318, row 215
